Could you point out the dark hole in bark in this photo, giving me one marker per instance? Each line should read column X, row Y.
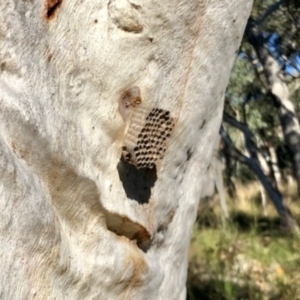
column 123, row 226
column 51, row 7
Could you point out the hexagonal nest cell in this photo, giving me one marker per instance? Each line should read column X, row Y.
column 148, row 133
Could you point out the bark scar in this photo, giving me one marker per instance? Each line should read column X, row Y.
column 52, row 7
column 125, row 15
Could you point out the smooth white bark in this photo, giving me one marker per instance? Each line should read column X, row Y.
column 77, row 221
column 214, row 179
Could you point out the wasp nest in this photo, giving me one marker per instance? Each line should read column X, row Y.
column 148, row 133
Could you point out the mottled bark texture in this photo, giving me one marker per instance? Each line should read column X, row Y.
column 79, row 220
column 214, row 179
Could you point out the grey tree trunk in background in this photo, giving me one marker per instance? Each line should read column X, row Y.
column 109, row 112
column 277, row 87
column 253, row 162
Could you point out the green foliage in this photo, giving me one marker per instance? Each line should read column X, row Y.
column 241, row 81
column 244, row 174
column 248, row 258
column 284, row 21
column 247, row 98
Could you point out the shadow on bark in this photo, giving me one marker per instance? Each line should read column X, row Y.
column 137, row 183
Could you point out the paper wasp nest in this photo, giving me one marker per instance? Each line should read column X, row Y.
column 148, row 133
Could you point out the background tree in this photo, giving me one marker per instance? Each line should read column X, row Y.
column 258, row 94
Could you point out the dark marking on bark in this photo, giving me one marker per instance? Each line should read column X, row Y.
column 125, row 227
column 2, row 66
column 189, row 154
column 49, row 57
column 52, row 7
column 169, row 217
column 136, row 6
column 203, row 124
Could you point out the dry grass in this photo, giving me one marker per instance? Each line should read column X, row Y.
column 248, row 257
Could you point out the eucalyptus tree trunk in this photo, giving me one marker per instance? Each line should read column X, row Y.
column 274, row 165
column 274, row 82
column 109, row 112
column 214, row 179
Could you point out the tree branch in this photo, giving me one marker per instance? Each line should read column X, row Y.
column 269, row 11
column 250, row 145
column 254, row 164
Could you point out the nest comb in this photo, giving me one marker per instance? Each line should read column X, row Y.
column 148, row 133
